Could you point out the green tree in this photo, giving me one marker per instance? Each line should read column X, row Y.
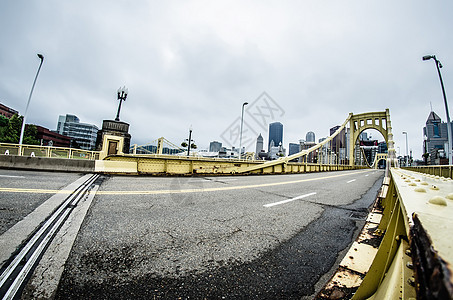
column 10, row 131
column 13, row 131
column 3, row 121
column 3, row 127
column 30, row 134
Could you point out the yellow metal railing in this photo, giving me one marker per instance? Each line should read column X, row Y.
column 443, row 171
column 404, row 249
column 47, row 151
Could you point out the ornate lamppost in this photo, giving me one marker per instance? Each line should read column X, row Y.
column 189, row 144
column 122, row 95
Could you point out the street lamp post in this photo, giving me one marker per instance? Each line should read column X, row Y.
column 438, row 66
column 242, row 122
column 425, row 152
column 190, row 140
column 122, row 95
column 41, row 57
column 404, row 132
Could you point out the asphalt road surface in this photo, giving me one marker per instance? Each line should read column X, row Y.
column 255, row 237
column 15, row 206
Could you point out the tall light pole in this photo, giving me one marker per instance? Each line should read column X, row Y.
column 41, row 57
column 404, row 132
column 438, row 66
column 122, row 95
column 242, row 123
column 425, row 152
column 190, row 140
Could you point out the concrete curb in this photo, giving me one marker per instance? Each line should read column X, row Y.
column 46, row 164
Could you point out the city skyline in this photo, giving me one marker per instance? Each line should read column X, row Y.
column 185, row 66
column 218, row 145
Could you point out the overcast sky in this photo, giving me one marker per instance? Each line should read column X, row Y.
column 195, row 62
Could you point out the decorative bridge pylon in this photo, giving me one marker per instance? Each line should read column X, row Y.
column 354, row 125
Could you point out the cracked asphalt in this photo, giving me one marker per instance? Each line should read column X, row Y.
column 196, row 237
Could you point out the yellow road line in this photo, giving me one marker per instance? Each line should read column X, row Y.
column 36, row 191
column 160, row 192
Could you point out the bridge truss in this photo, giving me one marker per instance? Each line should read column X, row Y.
column 354, row 125
column 324, row 156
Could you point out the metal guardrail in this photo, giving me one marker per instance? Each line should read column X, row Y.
column 404, row 250
column 47, row 151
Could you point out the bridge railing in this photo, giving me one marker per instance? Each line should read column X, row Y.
column 173, row 165
column 404, row 249
column 441, row 171
column 47, row 151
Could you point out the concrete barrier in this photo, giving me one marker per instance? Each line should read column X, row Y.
column 46, row 164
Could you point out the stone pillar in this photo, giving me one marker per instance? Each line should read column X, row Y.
column 113, row 138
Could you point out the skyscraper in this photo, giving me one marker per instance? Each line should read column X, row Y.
column 339, row 141
column 310, row 137
column 259, row 146
column 436, row 137
column 275, row 134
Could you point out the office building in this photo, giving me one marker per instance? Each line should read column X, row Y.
column 275, row 152
column 364, row 136
column 83, row 135
column 259, row 146
column 310, row 137
column 51, row 138
column 436, row 139
column 7, row 112
column 215, row 146
column 382, row 147
column 275, row 134
column 294, row 148
column 312, row 156
column 339, row 143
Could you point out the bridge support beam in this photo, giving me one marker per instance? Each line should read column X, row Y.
column 361, row 122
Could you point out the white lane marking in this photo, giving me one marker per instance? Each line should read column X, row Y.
column 351, row 181
column 367, row 175
column 289, row 200
column 12, row 176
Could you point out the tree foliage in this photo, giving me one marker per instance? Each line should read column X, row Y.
column 10, row 131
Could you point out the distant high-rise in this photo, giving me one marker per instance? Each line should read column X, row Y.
column 339, row 141
column 310, row 137
column 215, row 146
column 364, row 136
column 259, row 145
column 294, row 148
column 436, row 139
column 275, row 133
